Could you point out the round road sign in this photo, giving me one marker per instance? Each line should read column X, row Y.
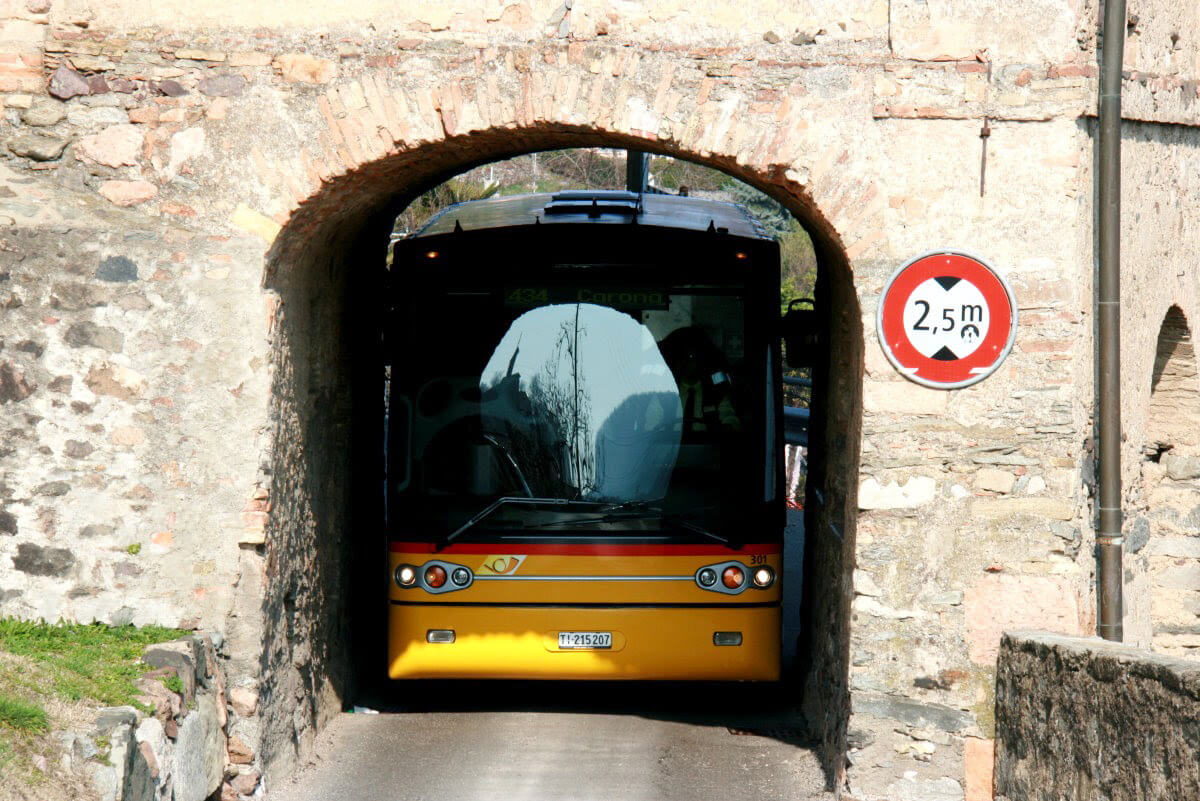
column 946, row 319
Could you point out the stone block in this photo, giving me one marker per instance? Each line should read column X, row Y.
column 866, row 605
column 40, row 560
column 978, row 758
column 96, row 117
column 917, row 491
column 1179, row 577
column 1181, row 467
column 1086, row 718
column 200, row 55
column 1001, row 508
column 250, row 59
column 915, row 788
column 244, row 701
column 199, row 752
column 104, row 378
column 14, row 386
column 222, row 86
column 36, row 146
column 903, row 398
column 303, row 68
column 109, row 717
column 128, row 193
column 180, row 657
column 1177, row 547
column 89, row 335
column 109, row 776
column 998, row 602
column 255, row 222
column 118, row 269
column 115, row 146
column 246, row 783
column 240, row 752
column 913, row 713
column 66, row 83
column 991, row 479
column 865, row 585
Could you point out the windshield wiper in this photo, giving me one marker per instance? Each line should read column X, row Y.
column 496, row 504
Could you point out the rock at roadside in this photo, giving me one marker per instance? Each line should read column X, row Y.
column 37, row 147
column 199, row 752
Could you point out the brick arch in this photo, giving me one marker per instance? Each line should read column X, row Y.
column 1165, row 557
column 363, row 138
column 365, row 160
column 1174, row 409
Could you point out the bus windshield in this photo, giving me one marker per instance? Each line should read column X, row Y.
column 601, row 411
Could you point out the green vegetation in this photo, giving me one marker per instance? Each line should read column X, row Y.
column 134, row 549
column 22, row 715
column 456, row 190
column 82, row 661
column 43, row 665
column 173, row 683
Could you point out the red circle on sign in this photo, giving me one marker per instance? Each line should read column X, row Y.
column 954, row 372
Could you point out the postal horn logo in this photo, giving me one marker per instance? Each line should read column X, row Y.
column 504, row 565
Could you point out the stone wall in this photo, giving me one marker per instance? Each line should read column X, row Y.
column 192, row 745
column 1078, row 719
column 1160, row 293
column 194, row 199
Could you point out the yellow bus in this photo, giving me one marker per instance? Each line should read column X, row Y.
column 584, row 449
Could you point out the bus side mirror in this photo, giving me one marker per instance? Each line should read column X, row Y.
column 801, row 333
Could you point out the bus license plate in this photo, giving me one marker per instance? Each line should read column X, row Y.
column 583, row 640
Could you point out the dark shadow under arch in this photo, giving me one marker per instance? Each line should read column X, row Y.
column 324, row 546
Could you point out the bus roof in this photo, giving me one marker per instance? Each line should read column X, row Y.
column 602, row 207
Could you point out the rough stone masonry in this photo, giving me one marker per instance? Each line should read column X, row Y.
column 192, row 197
column 1142, row 711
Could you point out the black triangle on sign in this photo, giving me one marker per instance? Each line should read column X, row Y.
column 945, row 354
column 947, row 281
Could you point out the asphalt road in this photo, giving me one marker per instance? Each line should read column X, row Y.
column 518, row 741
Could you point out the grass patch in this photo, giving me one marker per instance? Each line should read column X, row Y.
column 79, row 661
column 22, row 715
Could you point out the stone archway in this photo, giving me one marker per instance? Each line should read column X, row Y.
column 1170, row 472
column 368, row 159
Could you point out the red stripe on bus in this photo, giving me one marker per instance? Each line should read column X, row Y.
column 585, row 550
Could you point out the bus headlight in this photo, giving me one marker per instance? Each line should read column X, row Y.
column 707, row 577
column 764, row 577
column 406, row 575
column 461, row 576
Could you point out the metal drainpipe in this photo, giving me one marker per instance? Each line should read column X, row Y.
column 1108, row 536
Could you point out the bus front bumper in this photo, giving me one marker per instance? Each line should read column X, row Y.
column 668, row 643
